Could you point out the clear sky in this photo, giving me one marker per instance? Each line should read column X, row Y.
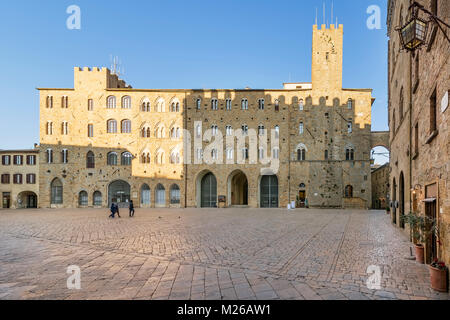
column 177, row 44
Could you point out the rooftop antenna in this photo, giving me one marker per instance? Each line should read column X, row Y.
column 115, row 66
column 324, row 13
column 317, row 11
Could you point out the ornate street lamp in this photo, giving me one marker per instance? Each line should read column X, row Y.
column 414, row 33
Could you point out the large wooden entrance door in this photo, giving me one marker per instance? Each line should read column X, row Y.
column 209, row 191
column 269, row 192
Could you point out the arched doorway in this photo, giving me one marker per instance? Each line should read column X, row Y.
column 145, row 195
column 208, row 191
column 83, row 199
column 401, row 204
column 237, row 189
column 301, row 198
column 394, row 202
column 27, row 200
column 56, row 192
column 269, row 192
column 98, row 202
column 160, row 196
column 119, row 191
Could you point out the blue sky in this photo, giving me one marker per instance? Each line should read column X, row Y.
column 177, row 44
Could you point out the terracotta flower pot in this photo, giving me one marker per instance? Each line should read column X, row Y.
column 438, row 279
column 420, row 253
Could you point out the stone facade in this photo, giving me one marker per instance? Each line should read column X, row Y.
column 321, row 158
column 380, row 187
column 19, row 185
column 420, row 136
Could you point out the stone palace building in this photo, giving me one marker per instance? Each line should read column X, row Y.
column 104, row 141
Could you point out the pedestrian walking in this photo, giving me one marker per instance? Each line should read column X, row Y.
column 131, row 209
column 113, row 210
column 117, row 210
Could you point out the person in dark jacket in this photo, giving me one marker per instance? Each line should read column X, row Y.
column 131, row 209
column 117, row 210
column 113, row 210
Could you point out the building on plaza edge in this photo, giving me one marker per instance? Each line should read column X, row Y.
column 104, row 141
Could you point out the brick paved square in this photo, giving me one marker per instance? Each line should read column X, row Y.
column 207, row 254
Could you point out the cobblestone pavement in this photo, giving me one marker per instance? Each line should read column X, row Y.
column 207, row 254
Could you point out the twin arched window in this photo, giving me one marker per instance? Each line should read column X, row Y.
column 145, row 107
column 145, row 132
column 198, row 104
column 175, row 157
column 261, row 130
column 160, row 132
column 349, row 154
column 214, row 104
column 175, row 107
column 160, row 106
column 301, row 154
column 244, row 104
column 261, row 104
column 160, row 157
column 49, row 102
column 175, row 133
column 112, row 159
column 49, row 128
column 146, row 157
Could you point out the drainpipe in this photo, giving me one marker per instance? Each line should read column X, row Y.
column 184, row 155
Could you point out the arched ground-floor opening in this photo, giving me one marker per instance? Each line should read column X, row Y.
column 237, row 189
column 206, row 190
column 146, row 196
column 27, row 200
column 119, row 192
column 268, row 189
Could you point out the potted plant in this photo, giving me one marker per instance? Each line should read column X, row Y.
column 438, row 274
column 421, row 227
column 388, row 210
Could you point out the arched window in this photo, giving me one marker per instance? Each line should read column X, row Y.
column 214, row 104
column 145, row 194
column 49, row 102
column 277, row 105
column 160, row 156
column 349, row 191
column 214, row 130
column 161, row 106
column 145, row 158
column 228, row 104
column 275, row 153
column 175, row 157
column 349, row 126
column 111, row 126
column 230, row 153
column 160, row 195
column 90, row 130
column 126, row 126
column 326, row 154
column 301, row 154
column 126, row 102
column 261, row 130
column 64, row 128
column 277, row 132
column 90, row 105
column 229, row 130
column 175, row 194
column 261, row 104
column 49, row 128
column 83, row 199
column 178, row 133
column 56, row 188
column 349, row 154
column 350, row 104
column 199, row 104
column 126, row 159
column 64, row 102
column 112, row 159
column 301, row 105
column 49, row 154
column 145, row 107
column 90, row 160
column 198, row 131
column 111, row 102
column 244, row 104
column 97, row 199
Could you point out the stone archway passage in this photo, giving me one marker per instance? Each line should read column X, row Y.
column 269, row 192
column 27, row 200
column 119, row 191
column 239, row 190
column 209, row 191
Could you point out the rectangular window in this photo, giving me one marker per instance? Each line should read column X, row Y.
column 18, row 160
column 49, row 154
column 31, row 178
column 17, row 179
column 6, row 160
column 433, row 112
column 90, row 105
column 31, row 160
column 90, row 130
column 5, row 179
column 64, row 156
column 349, row 126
